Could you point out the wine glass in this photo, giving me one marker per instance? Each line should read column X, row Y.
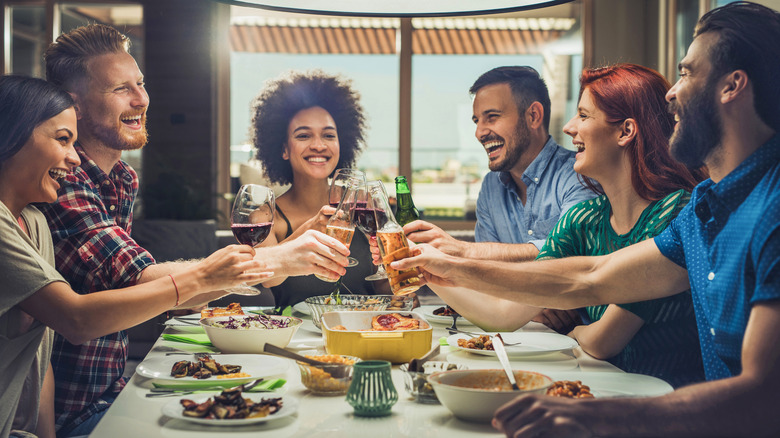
column 341, row 180
column 341, row 225
column 365, row 220
column 251, row 221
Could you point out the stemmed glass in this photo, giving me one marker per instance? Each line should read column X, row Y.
column 365, row 219
column 341, row 225
column 251, row 221
column 338, row 186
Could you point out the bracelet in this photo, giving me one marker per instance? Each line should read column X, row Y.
column 177, row 289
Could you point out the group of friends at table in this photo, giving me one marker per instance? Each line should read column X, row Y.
column 656, row 245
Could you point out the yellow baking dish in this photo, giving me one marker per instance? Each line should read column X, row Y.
column 394, row 346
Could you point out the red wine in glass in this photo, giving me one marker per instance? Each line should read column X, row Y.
column 251, row 234
column 365, row 218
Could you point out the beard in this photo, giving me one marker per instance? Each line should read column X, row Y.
column 112, row 136
column 514, row 148
column 699, row 131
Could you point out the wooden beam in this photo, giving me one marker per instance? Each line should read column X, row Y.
column 405, row 99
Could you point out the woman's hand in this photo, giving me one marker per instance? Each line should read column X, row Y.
column 318, row 222
column 311, row 253
column 230, row 266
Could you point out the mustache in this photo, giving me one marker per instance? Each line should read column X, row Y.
column 490, row 137
column 673, row 107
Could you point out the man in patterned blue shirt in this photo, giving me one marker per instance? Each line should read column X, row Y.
column 532, row 182
column 725, row 244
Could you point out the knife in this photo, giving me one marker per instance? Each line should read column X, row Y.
column 498, row 346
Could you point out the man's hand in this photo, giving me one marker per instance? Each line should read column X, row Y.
column 426, row 232
column 544, row 416
column 562, row 321
column 437, row 267
column 311, row 253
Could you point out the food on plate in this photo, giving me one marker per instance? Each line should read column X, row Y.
column 569, row 389
column 394, row 321
column 445, row 311
column 319, row 380
column 481, row 342
column 231, row 405
column 233, row 376
column 253, row 322
column 231, row 309
column 203, row 368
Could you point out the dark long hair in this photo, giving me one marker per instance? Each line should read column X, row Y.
column 748, row 39
column 283, row 98
column 25, row 103
column 632, row 91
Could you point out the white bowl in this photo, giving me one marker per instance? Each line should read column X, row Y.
column 248, row 340
column 465, row 393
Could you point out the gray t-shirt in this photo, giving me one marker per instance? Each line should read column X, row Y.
column 28, row 265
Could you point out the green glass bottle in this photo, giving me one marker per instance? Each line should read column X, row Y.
column 406, row 211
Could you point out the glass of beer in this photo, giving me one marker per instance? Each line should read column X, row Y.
column 392, row 244
column 341, row 226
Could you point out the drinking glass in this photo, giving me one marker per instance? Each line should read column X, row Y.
column 341, row 225
column 338, row 185
column 365, row 219
column 251, row 221
column 393, row 244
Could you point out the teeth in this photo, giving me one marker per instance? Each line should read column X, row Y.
column 131, row 118
column 57, row 173
column 489, row 146
column 317, row 159
column 676, row 118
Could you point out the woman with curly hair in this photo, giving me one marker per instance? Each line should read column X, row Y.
column 305, row 126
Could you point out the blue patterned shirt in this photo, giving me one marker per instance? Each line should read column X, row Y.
column 728, row 238
column 552, row 188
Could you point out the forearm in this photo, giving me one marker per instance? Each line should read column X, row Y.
column 505, row 252
column 487, row 312
column 161, row 270
column 45, row 427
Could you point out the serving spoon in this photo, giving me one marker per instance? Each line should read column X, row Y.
column 336, row 372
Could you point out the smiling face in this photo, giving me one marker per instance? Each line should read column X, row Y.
column 596, row 140
column 312, row 143
column 112, row 103
column 501, row 128
column 692, row 100
column 46, row 157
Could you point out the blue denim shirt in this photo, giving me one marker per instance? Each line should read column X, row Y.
column 728, row 238
column 552, row 188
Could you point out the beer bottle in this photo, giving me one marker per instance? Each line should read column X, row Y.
column 406, row 211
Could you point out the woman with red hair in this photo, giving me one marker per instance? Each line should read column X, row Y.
column 621, row 132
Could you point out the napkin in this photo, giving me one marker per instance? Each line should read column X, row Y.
column 194, row 338
column 265, row 385
column 443, row 342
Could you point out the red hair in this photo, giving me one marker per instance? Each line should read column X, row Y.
column 630, row 91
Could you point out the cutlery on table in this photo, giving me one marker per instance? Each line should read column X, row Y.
column 163, row 392
column 416, row 365
column 472, row 334
column 498, row 345
column 335, row 371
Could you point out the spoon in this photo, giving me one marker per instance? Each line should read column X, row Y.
column 498, row 345
column 334, row 370
column 416, row 365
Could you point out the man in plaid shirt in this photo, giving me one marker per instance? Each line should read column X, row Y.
column 92, row 218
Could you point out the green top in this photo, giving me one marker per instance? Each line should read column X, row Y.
column 667, row 344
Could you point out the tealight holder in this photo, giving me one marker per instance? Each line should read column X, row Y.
column 372, row 393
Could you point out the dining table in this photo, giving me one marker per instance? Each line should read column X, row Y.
column 133, row 414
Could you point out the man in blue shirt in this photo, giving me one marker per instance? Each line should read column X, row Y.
column 725, row 244
column 532, row 182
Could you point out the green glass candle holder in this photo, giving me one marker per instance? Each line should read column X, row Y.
column 372, row 393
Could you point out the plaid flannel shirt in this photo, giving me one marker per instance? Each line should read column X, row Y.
column 90, row 223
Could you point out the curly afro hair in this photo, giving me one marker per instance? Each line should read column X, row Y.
column 282, row 98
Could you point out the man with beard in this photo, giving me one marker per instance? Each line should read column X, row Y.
column 532, row 182
column 725, row 245
column 91, row 220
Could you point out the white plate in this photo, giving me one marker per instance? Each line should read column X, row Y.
column 253, row 364
column 427, row 312
column 612, row 385
column 174, row 409
column 302, row 308
column 531, row 343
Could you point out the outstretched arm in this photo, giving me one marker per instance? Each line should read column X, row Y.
column 311, row 253
column 487, row 312
column 636, row 273
column 738, row 406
